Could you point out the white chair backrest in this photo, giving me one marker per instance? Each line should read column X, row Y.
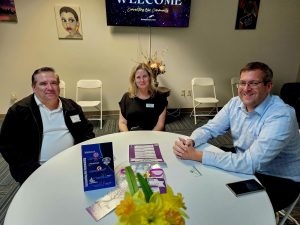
column 234, row 80
column 234, row 84
column 62, row 86
column 206, row 82
column 89, row 84
column 203, row 81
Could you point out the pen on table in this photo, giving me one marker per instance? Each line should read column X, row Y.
column 194, row 167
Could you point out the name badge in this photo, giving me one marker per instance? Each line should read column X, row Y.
column 75, row 118
column 149, row 105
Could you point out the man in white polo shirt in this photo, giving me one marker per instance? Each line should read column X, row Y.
column 41, row 125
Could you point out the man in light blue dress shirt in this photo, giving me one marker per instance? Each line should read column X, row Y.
column 265, row 136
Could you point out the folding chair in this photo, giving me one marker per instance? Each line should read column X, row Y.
column 62, row 86
column 89, row 95
column 234, row 85
column 286, row 213
column 198, row 92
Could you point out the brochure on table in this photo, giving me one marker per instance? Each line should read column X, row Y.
column 145, row 153
column 98, row 166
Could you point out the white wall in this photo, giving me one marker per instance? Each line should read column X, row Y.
column 210, row 46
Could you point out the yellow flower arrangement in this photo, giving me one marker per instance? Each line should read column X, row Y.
column 143, row 207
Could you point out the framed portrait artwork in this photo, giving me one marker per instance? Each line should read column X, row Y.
column 68, row 22
column 8, row 11
column 247, row 14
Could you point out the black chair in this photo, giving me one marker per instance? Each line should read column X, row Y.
column 290, row 94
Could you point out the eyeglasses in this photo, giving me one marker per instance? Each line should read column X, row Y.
column 251, row 84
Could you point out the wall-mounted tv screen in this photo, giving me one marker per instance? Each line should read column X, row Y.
column 153, row 13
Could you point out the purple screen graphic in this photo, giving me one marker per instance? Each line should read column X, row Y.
column 153, row 13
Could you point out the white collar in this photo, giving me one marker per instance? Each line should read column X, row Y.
column 39, row 103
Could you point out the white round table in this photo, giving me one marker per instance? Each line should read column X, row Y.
column 53, row 194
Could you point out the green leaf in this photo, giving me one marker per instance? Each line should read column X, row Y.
column 145, row 187
column 130, row 178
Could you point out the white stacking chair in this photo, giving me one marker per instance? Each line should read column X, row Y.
column 89, row 95
column 234, row 85
column 200, row 86
column 62, row 86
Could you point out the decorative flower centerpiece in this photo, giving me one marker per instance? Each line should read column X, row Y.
column 157, row 66
column 142, row 206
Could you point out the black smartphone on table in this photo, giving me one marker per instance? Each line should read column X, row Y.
column 243, row 187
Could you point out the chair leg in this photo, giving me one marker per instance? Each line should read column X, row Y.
column 293, row 220
column 192, row 113
column 195, row 117
column 287, row 213
column 286, row 216
column 101, row 116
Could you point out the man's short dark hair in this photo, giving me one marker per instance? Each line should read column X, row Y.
column 260, row 66
column 40, row 70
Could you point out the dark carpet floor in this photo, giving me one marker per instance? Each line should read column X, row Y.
column 176, row 123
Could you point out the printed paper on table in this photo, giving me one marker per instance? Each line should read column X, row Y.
column 145, row 153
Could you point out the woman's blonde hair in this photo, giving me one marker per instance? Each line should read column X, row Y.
column 133, row 87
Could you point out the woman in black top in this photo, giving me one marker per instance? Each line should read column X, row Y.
column 143, row 107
